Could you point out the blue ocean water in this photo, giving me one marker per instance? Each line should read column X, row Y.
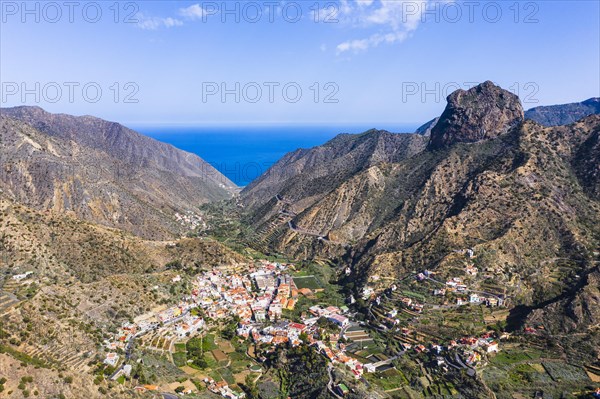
column 242, row 153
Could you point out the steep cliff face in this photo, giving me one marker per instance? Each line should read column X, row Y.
column 102, row 171
column 482, row 112
column 516, row 200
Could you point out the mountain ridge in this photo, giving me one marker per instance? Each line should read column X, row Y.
column 563, row 114
column 103, row 172
column 518, row 194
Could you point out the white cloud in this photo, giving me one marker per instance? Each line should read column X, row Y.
column 154, row 23
column 345, row 7
column 364, row 3
column 192, row 12
column 394, row 20
column 372, row 41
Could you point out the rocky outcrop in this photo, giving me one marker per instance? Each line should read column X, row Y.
column 483, row 112
column 425, row 130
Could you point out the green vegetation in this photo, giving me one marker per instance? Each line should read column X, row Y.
column 22, row 357
column 387, row 380
column 309, row 282
column 301, row 371
column 154, row 368
column 525, row 370
column 180, row 359
column 197, row 351
column 565, row 372
column 509, row 357
column 250, row 387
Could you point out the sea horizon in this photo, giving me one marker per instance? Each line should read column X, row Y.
column 244, row 152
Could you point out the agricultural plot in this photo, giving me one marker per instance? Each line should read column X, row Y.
column 565, row 372
column 158, row 365
column 220, row 357
column 224, row 360
column 443, row 389
column 309, row 282
column 509, row 357
column 414, row 295
column 221, row 374
column 180, row 359
column 526, row 371
column 388, row 380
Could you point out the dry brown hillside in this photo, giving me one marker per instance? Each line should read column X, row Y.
column 102, row 172
column 523, row 198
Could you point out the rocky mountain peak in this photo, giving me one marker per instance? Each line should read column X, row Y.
column 483, row 112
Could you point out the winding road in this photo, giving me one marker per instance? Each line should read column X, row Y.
column 291, row 226
column 330, row 383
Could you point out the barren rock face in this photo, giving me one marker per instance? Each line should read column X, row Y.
column 483, row 112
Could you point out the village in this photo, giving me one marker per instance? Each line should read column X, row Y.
column 258, row 298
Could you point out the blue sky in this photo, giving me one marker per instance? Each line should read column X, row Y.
column 373, row 62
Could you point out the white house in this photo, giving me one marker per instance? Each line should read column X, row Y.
column 370, row 368
column 111, row 359
column 20, row 277
column 493, row 347
column 340, row 320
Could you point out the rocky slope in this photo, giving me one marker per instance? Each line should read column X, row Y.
column 305, row 176
column 523, row 196
column 58, row 247
column 87, row 280
column 425, row 130
column 102, row 172
column 563, row 114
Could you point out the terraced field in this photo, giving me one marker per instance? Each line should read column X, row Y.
column 527, row 370
column 7, row 297
column 64, row 355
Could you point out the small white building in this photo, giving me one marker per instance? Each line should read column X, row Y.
column 492, row 347
column 19, row 277
column 111, row 359
column 340, row 320
column 370, row 368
